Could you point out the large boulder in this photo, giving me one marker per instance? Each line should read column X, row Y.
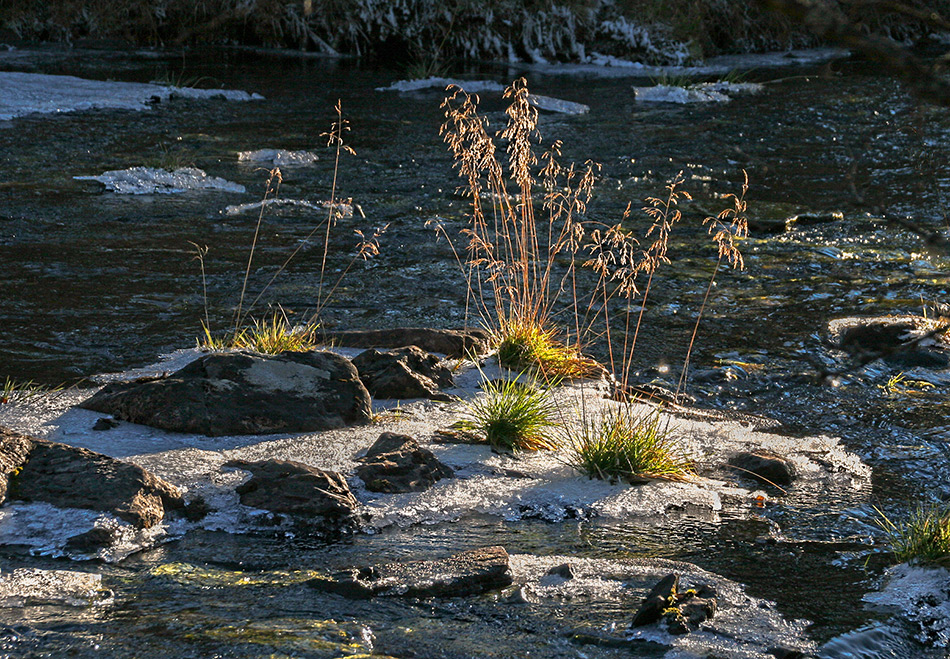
column 70, row 477
column 396, row 463
column 316, row 500
column 408, row 372
column 468, row 573
column 451, row 343
column 244, row 393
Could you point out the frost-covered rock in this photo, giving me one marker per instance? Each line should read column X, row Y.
column 744, row 627
column 149, row 180
column 278, row 157
column 29, row 93
column 671, row 94
column 704, row 92
column 244, row 393
column 471, row 86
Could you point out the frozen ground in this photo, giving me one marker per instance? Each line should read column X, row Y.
column 527, row 485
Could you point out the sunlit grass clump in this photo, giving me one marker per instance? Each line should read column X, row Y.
column 527, row 346
column 620, row 444
column 923, row 537
column 270, row 337
column 511, row 416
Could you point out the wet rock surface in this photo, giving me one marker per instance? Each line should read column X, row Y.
column 683, row 612
column 238, row 393
column 396, row 463
column 402, row 373
column 451, row 343
column 467, row 573
column 902, row 340
column 317, row 500
column 765, row 467
column 71, row 477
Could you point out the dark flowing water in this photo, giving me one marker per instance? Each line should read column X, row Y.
column 94, row 282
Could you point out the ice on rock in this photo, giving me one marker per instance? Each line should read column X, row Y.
column 46, row 529
column 28, row 93
column 149, row 180
column 343, row 209
column 706, row 92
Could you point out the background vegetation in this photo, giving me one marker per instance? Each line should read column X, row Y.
column 659, row 31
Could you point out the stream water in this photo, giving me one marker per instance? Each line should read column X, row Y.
column 98, row 282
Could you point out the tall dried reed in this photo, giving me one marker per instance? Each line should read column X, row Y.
column 511, row 251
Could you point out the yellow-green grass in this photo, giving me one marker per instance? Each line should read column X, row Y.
column 527, row 346
column 270, row 337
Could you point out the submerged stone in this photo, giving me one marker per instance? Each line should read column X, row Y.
column 683, row 612
column 70, row 477
column 467, row 573
column 244, row 393
column 402, row 373
column 396, row 463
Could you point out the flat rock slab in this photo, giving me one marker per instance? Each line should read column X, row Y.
column 402, row 373
column 316, row 499
column 468, row 573
column 396, row 463
column 70, row 477
column 451, row 343
column 244, row 393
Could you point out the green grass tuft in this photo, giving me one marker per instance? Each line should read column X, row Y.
column 619, row 444
column 511, row 416
column 924, row 537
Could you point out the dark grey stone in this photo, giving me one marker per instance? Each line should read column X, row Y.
column 396, row 463
column 241, row 393
column 403, row 373
column 468, row 573
column 316, row 500
column 661, row 597
column 70, row 477
column 765, row 467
